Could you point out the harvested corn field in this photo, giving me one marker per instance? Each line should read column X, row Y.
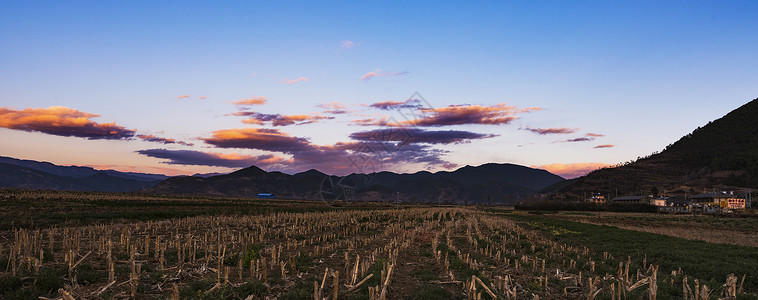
column 408, row 252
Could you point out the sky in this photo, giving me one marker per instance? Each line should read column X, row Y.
column 185, row 87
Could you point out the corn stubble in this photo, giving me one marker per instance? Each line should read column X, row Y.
column 358, row 254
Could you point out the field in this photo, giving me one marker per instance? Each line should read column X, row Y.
column 714, row 229
column 118, row 246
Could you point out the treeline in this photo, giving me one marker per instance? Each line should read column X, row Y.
column 586, row 206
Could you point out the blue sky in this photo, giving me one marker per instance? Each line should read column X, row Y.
column 623, row 79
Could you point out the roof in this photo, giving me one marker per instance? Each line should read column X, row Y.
column 628, row 198
column 712, row 195
column 678, row 201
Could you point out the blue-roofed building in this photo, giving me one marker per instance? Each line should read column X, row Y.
column 266, row 196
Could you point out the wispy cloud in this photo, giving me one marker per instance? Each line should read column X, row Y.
column 183, row 97
column 62, row 121
column 586, row 138
column 251, row 101
column 152, row 138
column 545, row 131
column 456, row 115
column 348, row 44
column 604, row 146
column 335, row 108
column 279, row 119
column 380, row 73
column 200, row 158
column 390, row 105
column 574, row 170
column 293, row 81
column 581, row 139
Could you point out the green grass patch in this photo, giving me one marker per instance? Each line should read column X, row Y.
column 706, row 261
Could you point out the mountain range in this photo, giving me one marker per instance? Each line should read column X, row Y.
column 489, row 183
column 31, row 174
column 723, row 154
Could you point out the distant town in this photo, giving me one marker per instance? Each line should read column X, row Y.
column 709, row 202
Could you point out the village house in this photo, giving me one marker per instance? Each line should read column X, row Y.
column 628, row 199
column 597, row 198
column 721, row 200
column 659, row 201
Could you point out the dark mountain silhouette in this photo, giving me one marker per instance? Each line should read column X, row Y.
column 723, row 154
column 490, row 183
column 76, row 171
column 16, row 176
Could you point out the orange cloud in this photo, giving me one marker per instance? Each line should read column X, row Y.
column 574, row 170
column 258, row 138
column 293, row 81
column 183, row 96
column 595, row 135
column 202, row 98
column 251, row 101
column 62, row 121
column 604, row 146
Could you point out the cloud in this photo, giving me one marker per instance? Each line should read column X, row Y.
column 334, row 108
column 371, row 156
column 573, row 170
column 456, row 115
column 279, row 119
column 586, row 138
column 152, row 138
column 545, row 131
column 293, row 81
column 340, row 158
column 183, row 97
column 604, row 146
column 258, row 138
column 202, row 98
column 251, row 101
column 581, row 139
column 62, row 121
column 390, row 105
column 347, row 44
column 413, row 135
column 199, row 158
column 380, row 73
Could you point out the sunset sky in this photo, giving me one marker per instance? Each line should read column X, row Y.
column 184, row 87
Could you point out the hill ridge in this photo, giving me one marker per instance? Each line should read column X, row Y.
column 722, row 154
